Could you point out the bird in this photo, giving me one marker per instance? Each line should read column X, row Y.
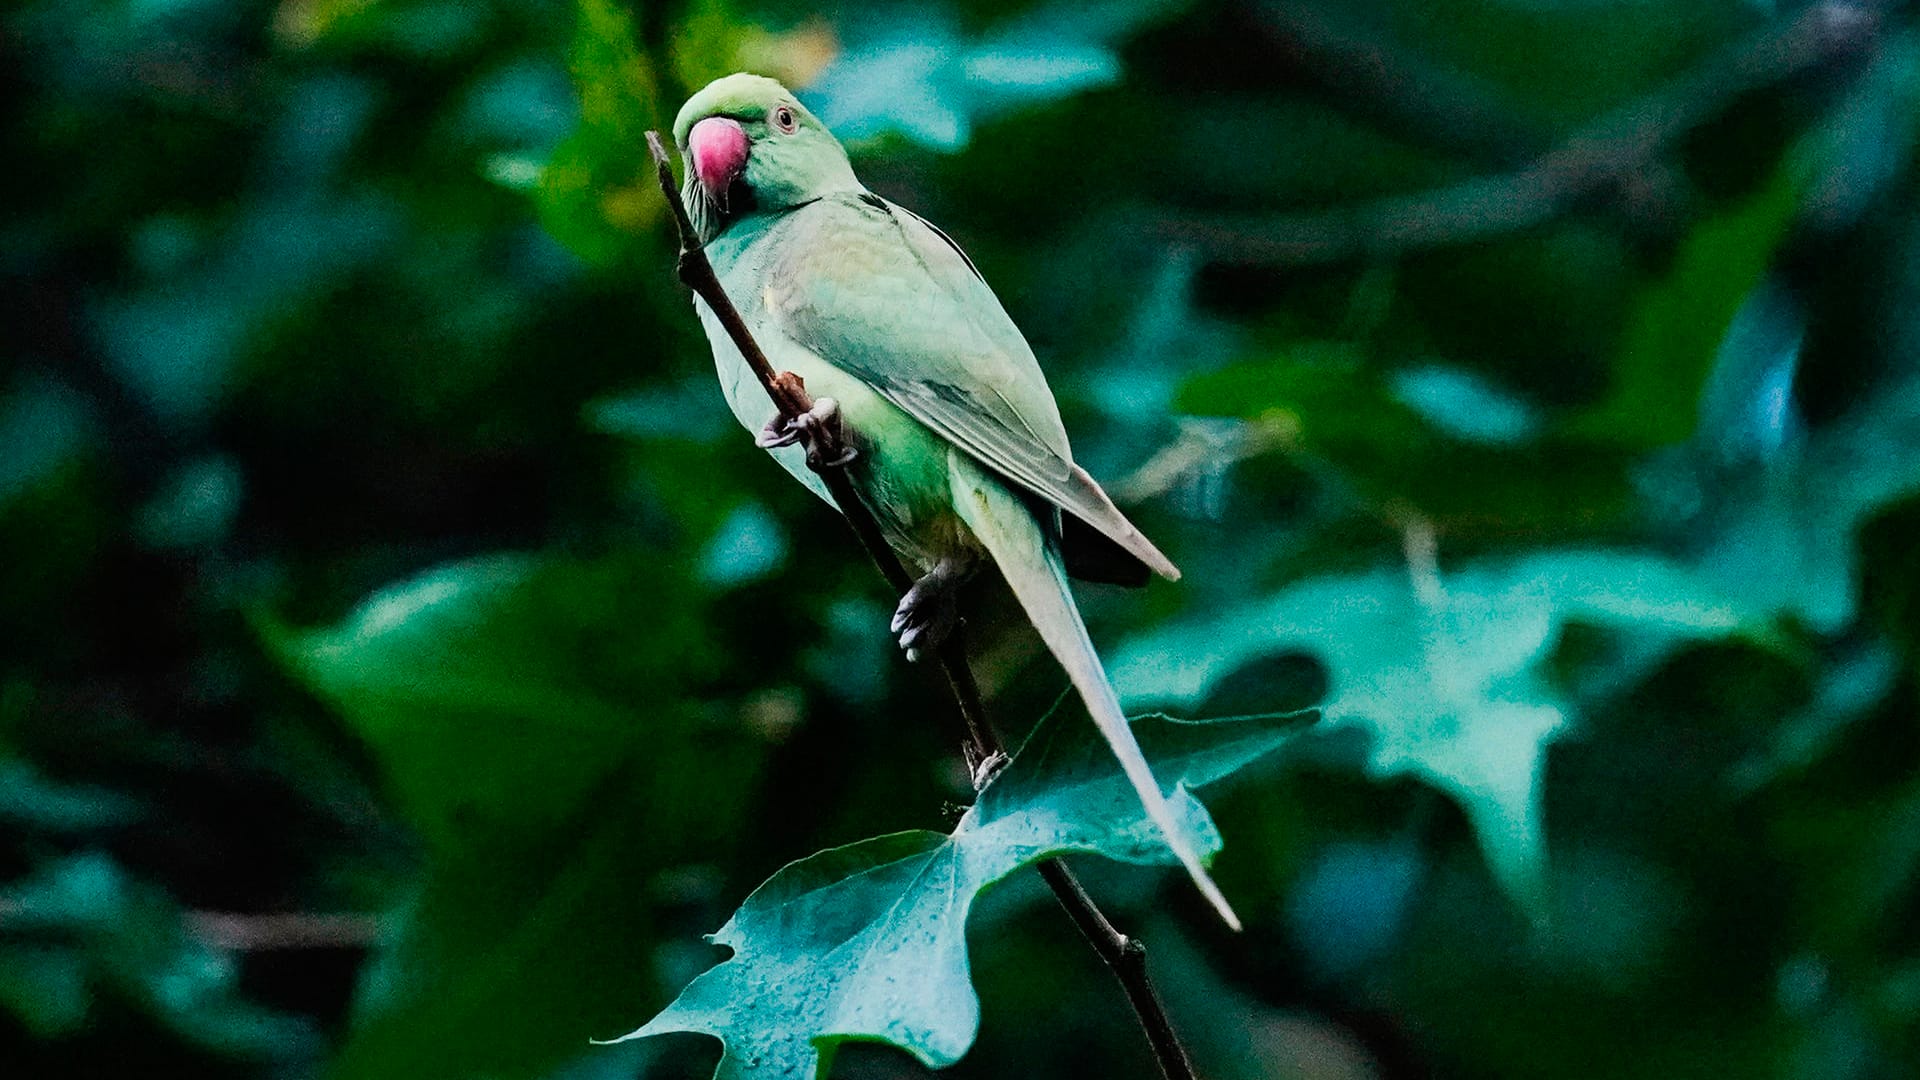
column 957, row 446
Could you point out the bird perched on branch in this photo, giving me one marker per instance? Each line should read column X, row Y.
column 957, row 446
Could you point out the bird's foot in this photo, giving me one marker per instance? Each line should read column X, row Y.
column 929, row 611
column 818, row 429
column 985, row 769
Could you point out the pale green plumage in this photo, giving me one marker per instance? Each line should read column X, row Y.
column 958, row 430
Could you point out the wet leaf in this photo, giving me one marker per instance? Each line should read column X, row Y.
column 868, row 941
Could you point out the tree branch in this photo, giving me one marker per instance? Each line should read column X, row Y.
column 1125, row 956
column 1618, row 151
column 295, row 930
column 1364, row 70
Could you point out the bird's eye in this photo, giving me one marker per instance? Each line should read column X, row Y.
column 783, row 119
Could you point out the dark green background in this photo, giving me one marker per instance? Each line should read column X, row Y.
column 375, row 548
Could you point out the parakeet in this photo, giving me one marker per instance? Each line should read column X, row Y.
column 960, row 449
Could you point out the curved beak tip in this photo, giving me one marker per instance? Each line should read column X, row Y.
column 717, row 147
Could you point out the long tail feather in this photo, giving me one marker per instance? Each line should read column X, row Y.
column 1033, row 569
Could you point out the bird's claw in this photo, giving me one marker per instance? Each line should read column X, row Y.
column 845, row 457
column 985, row 769
column 819, row 429
column 929, row 611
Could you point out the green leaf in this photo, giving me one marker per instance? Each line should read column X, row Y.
column 1322, row 403
column 533, row 725
column 1448, row 678
column 421, row 31
column 868, row 941
column 1674, row 333
column 1322, row 395
column 717, row 37
column 920, row 78
column 597, row 193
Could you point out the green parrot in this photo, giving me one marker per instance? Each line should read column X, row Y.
column 959, row 449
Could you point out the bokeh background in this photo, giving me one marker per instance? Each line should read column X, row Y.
column 404, row 658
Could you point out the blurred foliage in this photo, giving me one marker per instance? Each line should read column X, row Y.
column 522, row 940
column 1444, row 674
column 596, row 189
column 404, row 660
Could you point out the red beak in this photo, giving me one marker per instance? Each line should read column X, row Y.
column 718, row 147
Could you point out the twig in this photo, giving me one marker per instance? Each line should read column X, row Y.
column 297, row 930
column 1618, row 150
column 1125, row 956
column 1368, row 72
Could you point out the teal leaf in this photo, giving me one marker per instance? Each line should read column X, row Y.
column 1785, row 541
column 682, row 411
column 868, row 941
column 1464, row 405
column 84, row 935
column 1446, row 677
column 522, row 103
column 195, row 506
column 30, row 799
column 920, row 78
column 749, row 545
column 43, row 426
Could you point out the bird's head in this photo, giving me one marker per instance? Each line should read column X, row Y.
column 751, row 147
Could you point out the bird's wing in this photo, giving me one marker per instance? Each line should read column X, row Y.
column 878, row 292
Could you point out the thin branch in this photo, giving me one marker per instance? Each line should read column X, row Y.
column 1366, row 71
column 1127, row 957
column 1618, row 151
column 295, row 930
column 1123, row 955
column 788, row 391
